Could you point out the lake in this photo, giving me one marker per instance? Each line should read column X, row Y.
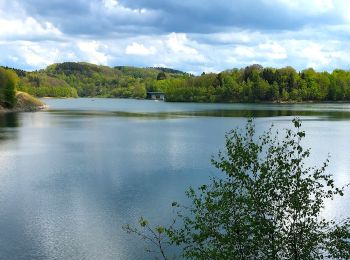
column 72, row 176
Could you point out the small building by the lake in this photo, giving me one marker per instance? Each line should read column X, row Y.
column 156, row 95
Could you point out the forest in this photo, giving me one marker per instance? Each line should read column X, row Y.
column 70, row 79
column 257, row 84
column 250, row 84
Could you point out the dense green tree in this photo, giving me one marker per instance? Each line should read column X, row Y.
column 286, row 78
column 249, row 71
column 273, row 93
column 8, row 81
column 269, row 74
column 139, row 91
column 323, row 86
column 161, row 75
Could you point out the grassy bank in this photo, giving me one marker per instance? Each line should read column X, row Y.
column 25, row 103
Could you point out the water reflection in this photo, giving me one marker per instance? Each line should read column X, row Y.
column 8, row 121
column 329, row 115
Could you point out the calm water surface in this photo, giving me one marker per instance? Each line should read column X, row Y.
column 71, row 176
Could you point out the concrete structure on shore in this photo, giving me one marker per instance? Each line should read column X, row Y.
column 156, row 95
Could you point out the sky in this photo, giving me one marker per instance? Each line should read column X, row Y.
column 189, row 35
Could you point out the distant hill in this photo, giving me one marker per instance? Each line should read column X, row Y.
column 150, row 70
column 168, row 70
column 19, row 72
column 72, row 79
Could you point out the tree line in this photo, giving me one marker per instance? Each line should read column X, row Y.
column 256, row 83
column 250, row 84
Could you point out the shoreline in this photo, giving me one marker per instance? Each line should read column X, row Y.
column 23, row 109
column 237, row 102
column 19, row 110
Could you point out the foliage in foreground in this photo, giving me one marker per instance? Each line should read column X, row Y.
column 267, row 205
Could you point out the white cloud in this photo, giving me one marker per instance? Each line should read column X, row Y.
column 233, row 37
column 180, row 51
column 93, row 52
column 273, row 50
column 244, row 51
column 343, row 8
column 319, row 57
column 309, row 6
column 177, row 42
column 114, row 5
column 110, row 4
column 315, row 56
column 37, row 56
column 139, row 49
column 31, row 42
column 178, row 47
column 26, row 27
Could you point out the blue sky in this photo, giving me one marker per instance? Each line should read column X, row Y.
column 191, row 35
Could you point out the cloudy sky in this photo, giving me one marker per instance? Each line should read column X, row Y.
column 190, row 35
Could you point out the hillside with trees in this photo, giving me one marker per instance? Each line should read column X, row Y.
column 250, row 84
column 70, row 79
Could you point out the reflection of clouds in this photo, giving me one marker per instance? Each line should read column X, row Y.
column 178, row 147
column 36, row 120
column 341, row 171
column 331, row 137
column 324, row 137
column 9, row 123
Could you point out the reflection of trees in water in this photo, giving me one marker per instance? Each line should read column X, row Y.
column 249, row 113
column 8, row 120
column 335, row 115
